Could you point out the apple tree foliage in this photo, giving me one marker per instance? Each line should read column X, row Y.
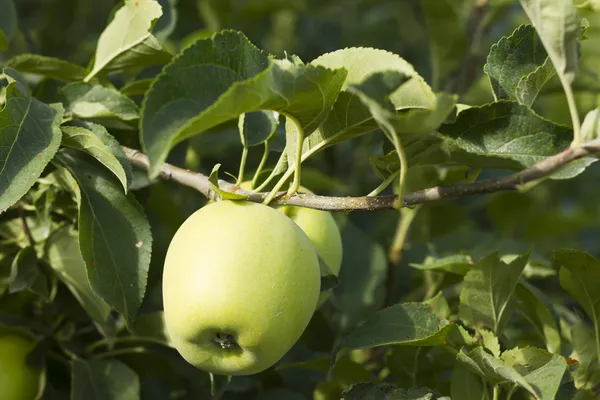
column 494, row 296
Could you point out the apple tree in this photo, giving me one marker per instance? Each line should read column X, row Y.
column 340, row 199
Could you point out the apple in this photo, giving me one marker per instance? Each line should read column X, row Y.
column 17, row 379
column 241, row 282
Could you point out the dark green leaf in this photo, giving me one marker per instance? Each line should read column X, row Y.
column 467, row 385
column 503, row 135
column 114, row 234
column 50, row 67
column 517, row 66
column 96, row 141
column 136, row 87
column 362, row 276
column 408, row 323
column 486, row 298
column 85, row 100
column 537, row 309
column 29, row 138
column 8, row 22
column 370, row 391
column 257, row 127
column 103, row 379
column 64, row 256
column 216, row 80
column 457, row 264
column 26, row 273
column 446, row 23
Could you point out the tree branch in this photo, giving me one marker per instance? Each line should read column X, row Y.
column 538, row 171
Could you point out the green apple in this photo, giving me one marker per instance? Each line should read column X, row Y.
column 18, row 380
column 240, row 284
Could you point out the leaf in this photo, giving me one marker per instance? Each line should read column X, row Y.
column 257, row 127
column 542, row 370
column 63, row 254
column 490, row 341
column 371, row 391
column 96, row 141
column 518, row 66
column 585, row 351
column 128, row 32
column 490, row 368
column 217, row 79
column 213, row 179
column 114, row 234
column 360, row 292
column 439, row 305
column 448, row 37
column 139, row 87
column 85, row 100
column 538, row 310
column 8, row 22
column 25, row 274
column 415, row 94
column 50, row 67
column 486, row 296
column 456, row 264
column 103, row 379
column 466, row 385
column 557, row 26
column 590, row 129
column 503, row 135
column 408, row 324
column 29, row 137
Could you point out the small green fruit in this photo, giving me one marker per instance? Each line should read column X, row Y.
column 18, row 380
column 240, row 284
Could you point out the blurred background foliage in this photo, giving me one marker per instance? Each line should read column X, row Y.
column 447, row 44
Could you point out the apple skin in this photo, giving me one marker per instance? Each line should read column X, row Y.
column 17, row 379
column 240, row 284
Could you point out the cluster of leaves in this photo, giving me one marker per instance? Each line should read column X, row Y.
column 76, row 243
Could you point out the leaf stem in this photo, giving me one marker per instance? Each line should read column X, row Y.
column 300, row 142
column 240, row 177
column 395, row 139
column 573, row 111
column 26, row 227
column 261, row 165
column 120, row 352
column 386, row 182
column 496, row 393
column 511, row 391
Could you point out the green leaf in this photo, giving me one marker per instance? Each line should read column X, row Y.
column 96, row 141
column 216, row 80
column 408, row 324
column 26, row 275
column 63, row 254
column 213, row 179
column 139, row 87
column 29, row 138
column 492, row 369
column 557, row 25
column 371, row 391
column 585, row 350
column 448, row 36
column 114, row 234
column 518, row 66
column 50, row 67
column 362, row 277
column 579, row 274
column 361, row 62
column 128, row 38
column 103, row 379
column 541, row 369
column 537, row 309
column 456, row 264
column 8, row 22
column 257, row 127
column 439, row 305
column 486, row 298
column 590, row 129
column 504, row 135
column 85, row 100
column 585, row 394
column 490, row 341
column 467, row 385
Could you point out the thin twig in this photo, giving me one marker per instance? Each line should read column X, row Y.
column 26, row 227
column 538, row 171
